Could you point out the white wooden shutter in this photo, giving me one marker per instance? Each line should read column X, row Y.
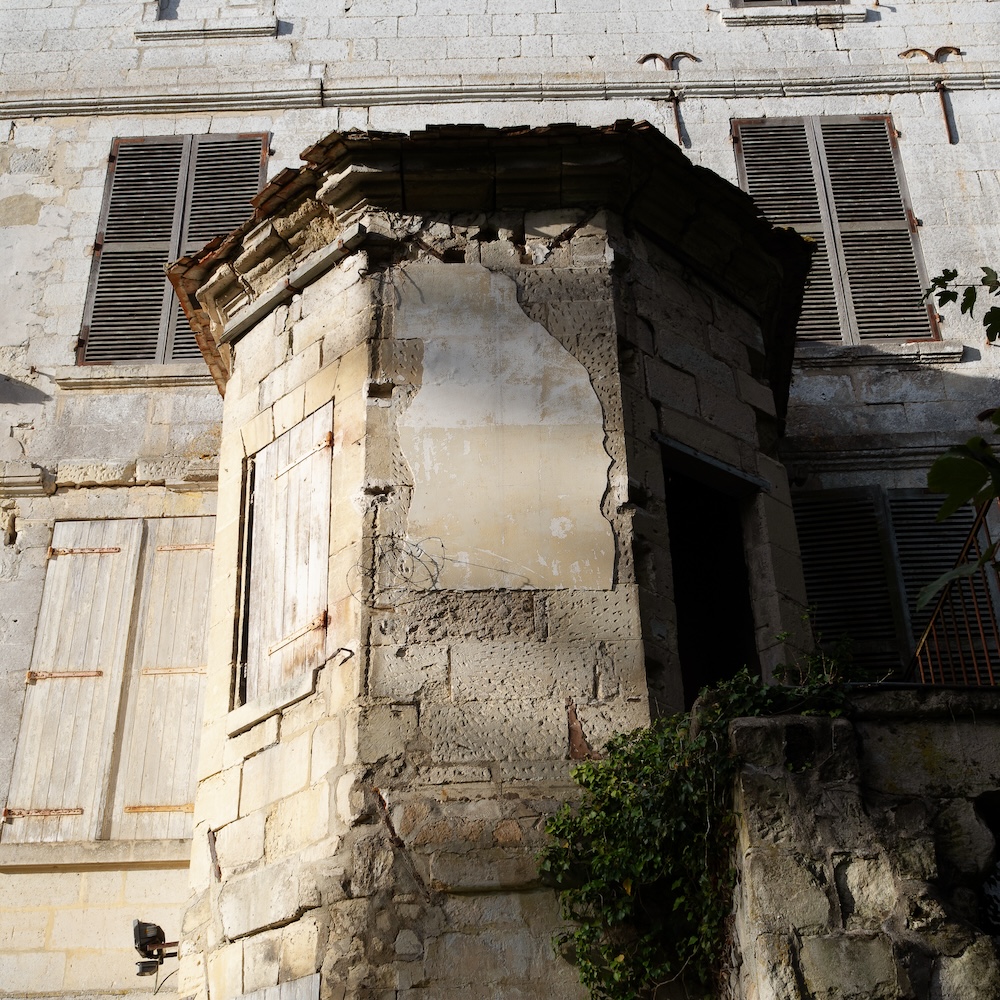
column 286, row 604
column 154, row 792
column 65, row 745
column 164, row 196
column 839, row 183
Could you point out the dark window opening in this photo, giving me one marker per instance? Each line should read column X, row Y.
column 715, row 624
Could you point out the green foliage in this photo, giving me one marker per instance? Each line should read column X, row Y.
column 643, row 861
column 970, row 472
column 945, row 290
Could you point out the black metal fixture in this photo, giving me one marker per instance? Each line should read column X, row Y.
column 151, row 943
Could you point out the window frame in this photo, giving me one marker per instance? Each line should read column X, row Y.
column 253, row 700
column 832, row 229
column 177, row 243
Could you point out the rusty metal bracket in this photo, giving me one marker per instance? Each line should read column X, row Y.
column 9, row 814
column 942, row 91
column 57, row 675
column 185, row 547
column 320, row 621
column 154, row 671
column 51, row 553
column 186, row 807
column 666, row 62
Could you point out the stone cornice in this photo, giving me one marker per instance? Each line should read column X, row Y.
column 303, row 219
column 695, row 84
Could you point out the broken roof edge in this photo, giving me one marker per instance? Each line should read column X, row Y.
column 629, row 168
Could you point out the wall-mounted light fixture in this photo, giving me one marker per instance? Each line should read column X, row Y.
column 151, row 943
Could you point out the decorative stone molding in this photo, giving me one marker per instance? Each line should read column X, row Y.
column 697, row 84
column 98, row 854
column 921, row 352
column 22, row 479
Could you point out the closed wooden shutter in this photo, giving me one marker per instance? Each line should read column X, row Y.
column 847, row 560
column 838, row 181
column 154, row 794
column 927, row 549
column 164, row 196
column 65, row 746
column 286, row 603
column 866, row 556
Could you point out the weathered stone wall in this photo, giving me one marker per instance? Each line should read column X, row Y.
column 864, row 850
column 485, row 623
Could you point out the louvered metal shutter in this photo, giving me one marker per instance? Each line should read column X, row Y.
column 838, row 181
column 286, row 602
column 164, row 197
column 156, row 777
column 65, row 746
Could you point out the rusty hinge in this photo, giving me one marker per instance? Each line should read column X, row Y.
column 320, row 621
column 9, row 814
column 103, row 550
column 185, row 547
column 186, row 807
column 57, row 675
column 152, row 671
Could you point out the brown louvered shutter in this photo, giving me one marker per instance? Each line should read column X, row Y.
column 838, row 181
column 154, row 792
column 286, row 601
column 928, row 548
column 847, row 561
column 65, row 747
column 164, row 196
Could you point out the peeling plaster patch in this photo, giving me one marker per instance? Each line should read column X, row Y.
column 505, row 438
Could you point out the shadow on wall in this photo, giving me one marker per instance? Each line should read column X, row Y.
column 886, row 405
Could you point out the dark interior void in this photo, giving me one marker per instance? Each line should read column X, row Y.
column 715, row 627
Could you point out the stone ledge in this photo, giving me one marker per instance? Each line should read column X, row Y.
column 206, row 30
column 22, row 479
column 132, row 376
column 897, row 354
column 97, row 854
column 823, row 18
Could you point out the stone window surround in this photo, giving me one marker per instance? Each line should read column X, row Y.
column 823, row 16
column 253, row 19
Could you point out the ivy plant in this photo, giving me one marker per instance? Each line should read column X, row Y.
column 643, row 861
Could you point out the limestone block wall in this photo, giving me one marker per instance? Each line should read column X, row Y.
column 70, row 932
column 867, row 851
column 477, row 609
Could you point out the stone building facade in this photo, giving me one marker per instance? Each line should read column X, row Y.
column 113, row 463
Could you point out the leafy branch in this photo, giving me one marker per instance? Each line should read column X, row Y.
column 945, row 290
column 643, row 862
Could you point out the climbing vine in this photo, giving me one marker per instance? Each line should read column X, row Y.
column 643, row 861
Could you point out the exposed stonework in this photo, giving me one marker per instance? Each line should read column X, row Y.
column 485, row 624
column 863, row 851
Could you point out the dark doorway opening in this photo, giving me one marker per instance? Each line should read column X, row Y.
column 715, row 624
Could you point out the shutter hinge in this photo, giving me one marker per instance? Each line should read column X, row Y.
column 186, row 807
column 51, row 553
column 56, row 675
column 9, row 814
